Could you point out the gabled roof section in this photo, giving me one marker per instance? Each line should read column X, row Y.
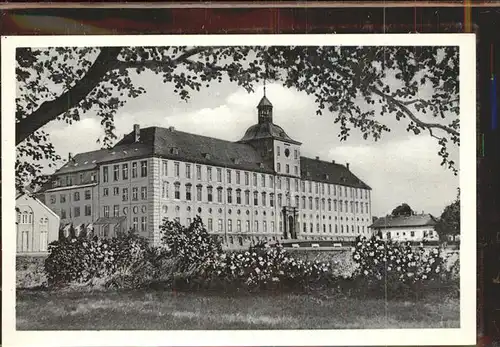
column 418, row 220
column 328, row 172
column 266, row 130
column 207, row 150
column 82, row 162
column 37, row 201
column 178, row 145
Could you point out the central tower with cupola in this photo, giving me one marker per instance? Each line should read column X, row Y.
column 273, row 144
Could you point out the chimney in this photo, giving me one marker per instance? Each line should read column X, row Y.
column 171, row 129
column 317, row 158
column 70, row 156
column 347, row 166
column 333, row 161
column 137, row 132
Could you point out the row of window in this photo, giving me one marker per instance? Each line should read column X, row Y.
column 68, row 180
column 125, row 210
column 125, row 193
column 238, row 212
column 427, row 233
column 25, row 217
column 265, row 180
column 287, row 169
column 307, row 227
column 76, row 197
column 355, row 207
column 43, row 241
column 105, row 230
column 121, row 172
column 76, row 212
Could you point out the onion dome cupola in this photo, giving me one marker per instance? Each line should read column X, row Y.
column 265, row 128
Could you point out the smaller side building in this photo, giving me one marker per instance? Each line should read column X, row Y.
column 36, row 225
column 407, row 228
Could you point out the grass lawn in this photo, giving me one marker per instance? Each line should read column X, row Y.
column 156, row 310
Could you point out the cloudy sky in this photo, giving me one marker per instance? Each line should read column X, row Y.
column 399, row 168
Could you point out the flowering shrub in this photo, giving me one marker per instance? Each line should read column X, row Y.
column 191, row 245
column 395, row 268
column 79, row 260
column 263, row 268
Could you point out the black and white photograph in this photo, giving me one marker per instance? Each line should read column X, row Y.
column 294, row 189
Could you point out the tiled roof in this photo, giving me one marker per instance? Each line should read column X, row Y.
column 174, row 144
column 83, row 161
column 328, row 172
column 178, row 145
column 266, row 130
column 404, row 221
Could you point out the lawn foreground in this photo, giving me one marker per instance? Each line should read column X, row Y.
column 162, row 310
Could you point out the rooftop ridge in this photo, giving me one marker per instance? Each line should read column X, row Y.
column 155, row 128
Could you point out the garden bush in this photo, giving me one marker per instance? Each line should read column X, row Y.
column 395, row 269
column 122, row 261
column 263, row 268
column 189, row 258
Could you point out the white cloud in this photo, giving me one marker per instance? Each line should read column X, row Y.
column 403, row 171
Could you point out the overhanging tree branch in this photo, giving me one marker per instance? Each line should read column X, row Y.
column 156, row 64
column 50, row 110
column 106, row 61
column 410, row 114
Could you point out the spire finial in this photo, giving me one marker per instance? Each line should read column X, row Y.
column 264, row 86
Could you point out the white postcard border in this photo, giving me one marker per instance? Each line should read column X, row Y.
column 466, row 334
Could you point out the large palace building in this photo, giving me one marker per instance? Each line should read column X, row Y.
column 258, row 188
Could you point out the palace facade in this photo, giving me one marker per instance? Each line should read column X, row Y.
column 258, row 188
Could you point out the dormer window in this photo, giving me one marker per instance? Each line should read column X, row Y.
column 175, row 150
column 206, row 155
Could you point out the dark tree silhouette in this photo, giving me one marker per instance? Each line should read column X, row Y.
column 61, row 237
column 449, row 222
column 64, row 83
column 402, row 210
column 72, row 232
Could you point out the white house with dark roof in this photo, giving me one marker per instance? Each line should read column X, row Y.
column 407, row 228
column 257, row 188
column 36, row 225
